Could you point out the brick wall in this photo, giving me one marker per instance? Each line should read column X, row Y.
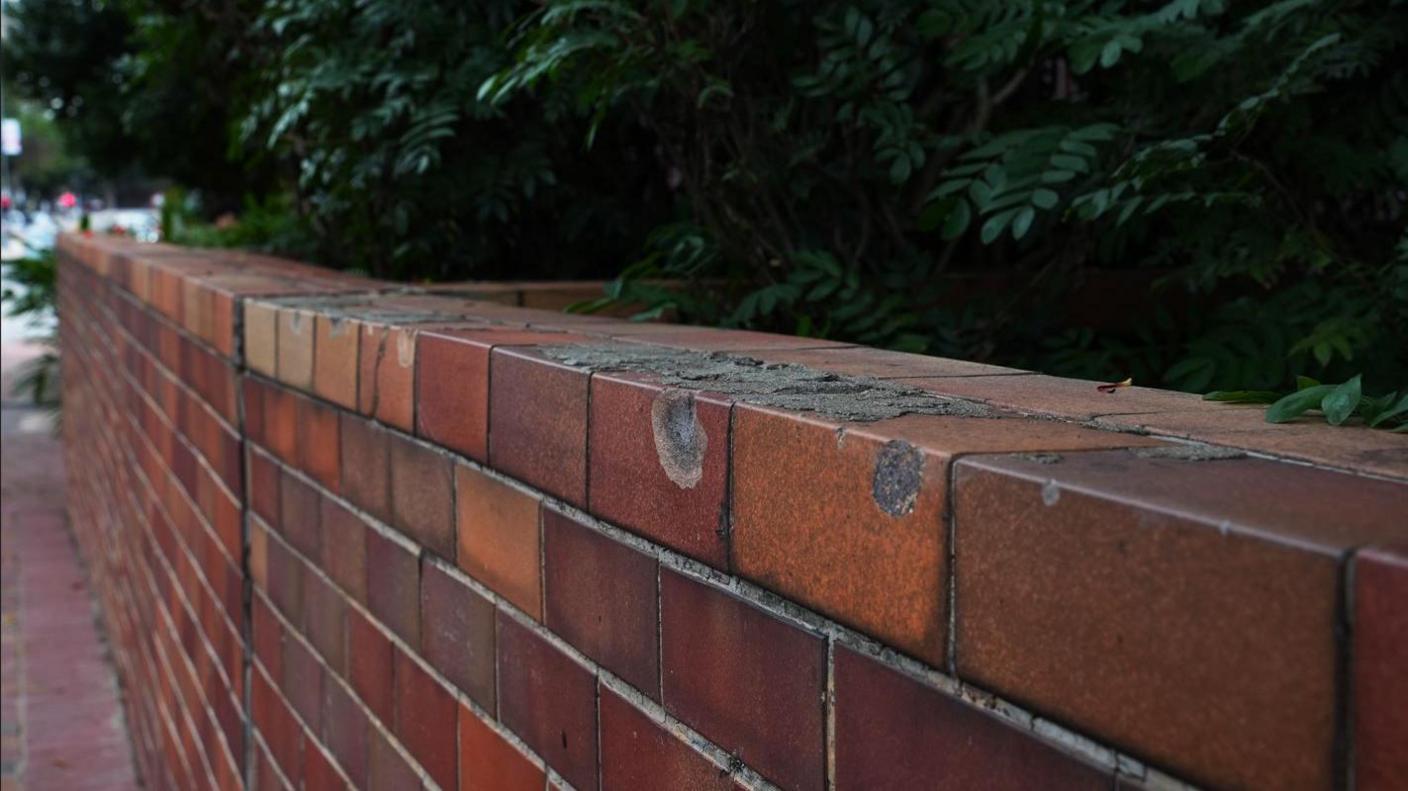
column 349, row 534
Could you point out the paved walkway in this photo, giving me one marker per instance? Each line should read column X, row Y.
column 62, row 725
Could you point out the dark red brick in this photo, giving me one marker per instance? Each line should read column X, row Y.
column 264, row 494
column 369, row 665
column 499, row 540
column 344, row 549
column 422, row 495
column 318, row 443
column 659, row 463
column 488, row 762
column 275, row 722
column 425, row 720
column 388, row 769
column 345, row 731
column 735, row 673
column 268, row 638
column 637, row 752
column 452, row 393
column 549, row 701
column 285, row 580
column 538, row 423
column 1380, row 682
column 366, row 466
column 318, row 771
column 457, row 633
column 1084, row 587
column 325, row 616
column 601, row 598
column 393, row 586
column 298, row 515
column 892, row 732
column 303, row 682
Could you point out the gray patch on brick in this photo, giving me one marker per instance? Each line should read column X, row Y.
column 1051, row 493
column 680, row 441
column 780, row 385
column 899, row 471
column 1189, row 452
column 1041, row 458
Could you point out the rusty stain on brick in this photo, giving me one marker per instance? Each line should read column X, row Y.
column 899, row 471
column 680, row 441
column 1051, row 493
column 1188, row 452
column 780, row 385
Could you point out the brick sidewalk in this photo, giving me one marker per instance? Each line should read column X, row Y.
column 62, row 723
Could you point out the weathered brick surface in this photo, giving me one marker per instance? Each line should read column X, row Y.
column 385, row 540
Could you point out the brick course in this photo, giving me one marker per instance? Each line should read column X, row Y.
column 342, row 535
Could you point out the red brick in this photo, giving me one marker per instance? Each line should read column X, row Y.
column 538, row 423
column 489, row 763
column 285, row 572
column 1084, row 588
column 325, row 613
column 457, row 633
column 601, row 598
column 281, row 424
column 344, row 548
column 303, row 682
column 318, row 771
column 425, row 720
column 393, row 586
column 637, row 752
column 734, row 673
column 1379, row 682
column 275, row 721
column 335, row 361
column 369, row 665
column 264, row 494
column 452, row 394
column 268, row 638
column 345, row 731
column 422, row 495
column 258, row 555
column 296, row 348
column 549, row 701
column 847, row 518
column 659, row 463
column 366, row 466
column 318, row 442
column 252, row 394
column 388, row 769
column 386, row 376
column 298, row 515
column 499, row 540
column 892, row 732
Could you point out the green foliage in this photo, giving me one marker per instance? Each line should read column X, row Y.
column 953, row 176
column 1338, row 403
column 30, row 294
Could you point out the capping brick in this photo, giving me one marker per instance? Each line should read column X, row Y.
column 737, row 674
column 369, row 665
column 499, row 537
column 636, row 428
column 393, row 586
column 549, row 701
column 892, row 732
column 261, row 337
column 422, row 495
column 336, row 360
column 489, row 763
column 1184, row 609
column 848, row 518
column 538, row 422
column 1380, row 702
column 452, row 393
column 425, row 720
column 295, row 342
column 366, row 466
column 601, row 598
column 637, row 752
column 386, row 375
column 457, row 633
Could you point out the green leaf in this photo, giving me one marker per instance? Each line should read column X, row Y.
column 1340, row 403
column 1044, row 198
column 1302, row 382
column 1243, row 396
column 994, row 226
column 1295, row 404
column 1023, row 222
column 957, row 220
column 1394, row 411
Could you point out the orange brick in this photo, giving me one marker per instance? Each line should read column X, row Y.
column 499, row 538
